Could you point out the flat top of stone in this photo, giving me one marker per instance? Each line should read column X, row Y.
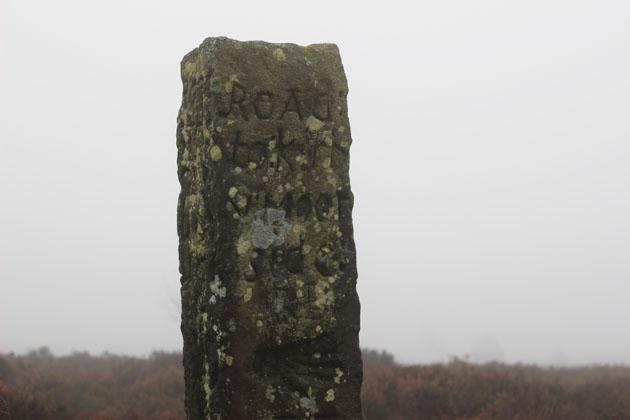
column 253, row 57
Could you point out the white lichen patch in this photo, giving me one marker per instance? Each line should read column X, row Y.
column 278, row 305
column 308, row 403
column 216, row 287
column 268, row 228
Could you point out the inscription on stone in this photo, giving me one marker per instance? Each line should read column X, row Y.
column 270, row 314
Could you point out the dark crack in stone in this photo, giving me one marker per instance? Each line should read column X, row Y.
column 270, row 313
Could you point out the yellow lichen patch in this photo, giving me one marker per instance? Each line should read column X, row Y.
column 271, row 145
column 339, row 373
column 191, row 69
column 279, row 54
column 292, row 236
column 232, row 192
column 318, row 328
column 269, row 394
column 324, row 296
column 206, row 387
column 204, row 318
column 326, row 163
column 206, row 380
column 247, row 296
column 233, row 78
column 313, row 124
column 259, row 323
column 206, row 133
column 229, row 360
column 215, row 153
column 330, row 395
column 243, row 245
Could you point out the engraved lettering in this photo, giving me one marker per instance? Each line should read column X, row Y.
column 322, row 207
column 321, row 107
column 292, row 104
column 238, row 97
column 264, row 105
column 303, row 207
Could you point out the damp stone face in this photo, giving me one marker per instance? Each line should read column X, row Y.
column 270, row 313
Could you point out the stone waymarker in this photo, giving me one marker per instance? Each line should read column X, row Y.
column 270, row 311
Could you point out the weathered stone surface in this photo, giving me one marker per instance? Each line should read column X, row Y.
column 270, row 312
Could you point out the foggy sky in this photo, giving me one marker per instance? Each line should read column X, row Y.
column 490, row 168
